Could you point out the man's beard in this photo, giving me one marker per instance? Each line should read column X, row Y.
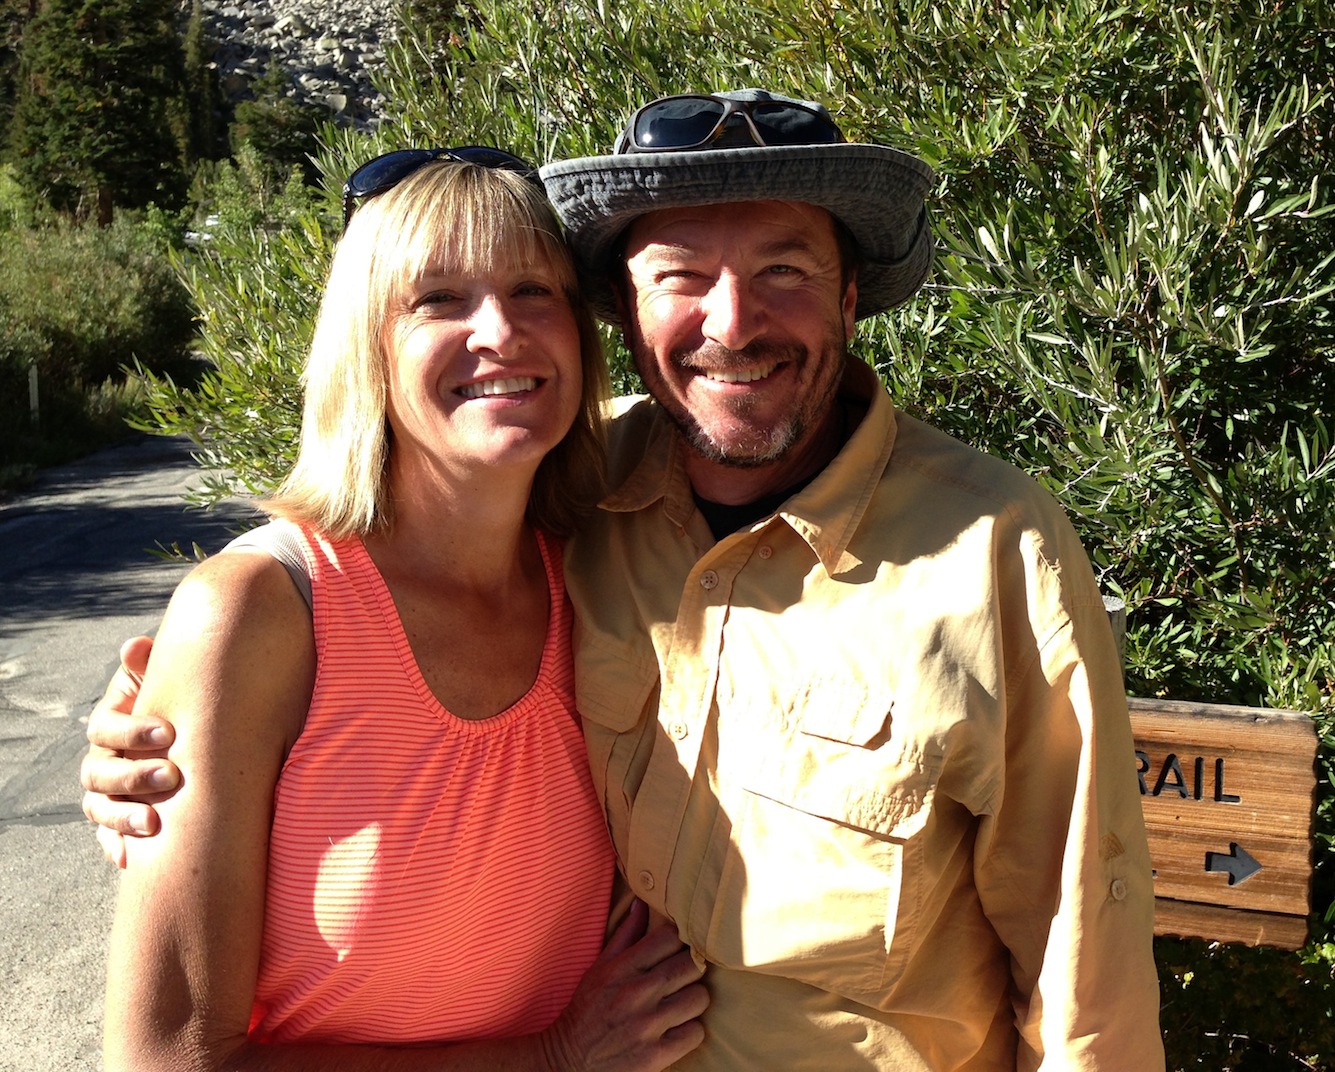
column 758, row 447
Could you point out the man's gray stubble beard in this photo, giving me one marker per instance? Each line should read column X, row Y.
column 781, row 440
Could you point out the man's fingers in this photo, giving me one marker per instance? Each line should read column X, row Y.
column 676, row 973
column 677, row 1042
column 134, row 656
column 119, row 817
column 111, row 775
column 113, row 846
column 687, row 1003
column 655, row 947
column 675, row 1022
column 114, row 730
column 125, row 683
column 629, row 931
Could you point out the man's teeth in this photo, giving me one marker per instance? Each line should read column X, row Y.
column 486, row 388
column 739, row 375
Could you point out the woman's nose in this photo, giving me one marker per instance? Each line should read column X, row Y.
column 491, row 326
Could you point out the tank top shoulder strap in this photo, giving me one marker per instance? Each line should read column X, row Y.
column 282, row 540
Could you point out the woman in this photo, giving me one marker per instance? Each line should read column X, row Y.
column 306, row 900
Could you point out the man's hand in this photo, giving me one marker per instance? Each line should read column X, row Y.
column 126, row 770
column 637, row 1008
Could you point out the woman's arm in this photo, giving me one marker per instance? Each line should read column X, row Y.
column 232, row 669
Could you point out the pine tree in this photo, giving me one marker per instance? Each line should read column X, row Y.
column 205, row 127
column 92, row 128
column 13, row 14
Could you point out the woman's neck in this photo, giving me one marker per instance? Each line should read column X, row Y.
column 473, row 531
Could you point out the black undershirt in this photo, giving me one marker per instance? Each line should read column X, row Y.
column 725, row 519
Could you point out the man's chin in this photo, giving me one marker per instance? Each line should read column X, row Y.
column 733, row 454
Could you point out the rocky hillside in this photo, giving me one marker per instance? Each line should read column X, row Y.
column 327, row 50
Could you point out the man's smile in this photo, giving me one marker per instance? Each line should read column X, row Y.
column 749, row 375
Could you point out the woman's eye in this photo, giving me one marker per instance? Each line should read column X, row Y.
column 434, row 297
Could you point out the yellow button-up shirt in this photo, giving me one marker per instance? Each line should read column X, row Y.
column 872, row 755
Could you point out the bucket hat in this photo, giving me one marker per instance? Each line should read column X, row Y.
column 876, row 191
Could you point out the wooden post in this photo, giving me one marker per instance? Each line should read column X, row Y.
column 32, row 396
column 1116, row 611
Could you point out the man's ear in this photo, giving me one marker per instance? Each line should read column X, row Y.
column 850, row 306
column 619, row 283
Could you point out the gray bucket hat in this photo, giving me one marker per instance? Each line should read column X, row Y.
column 877, row 192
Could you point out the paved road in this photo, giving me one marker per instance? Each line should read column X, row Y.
column 77, row 576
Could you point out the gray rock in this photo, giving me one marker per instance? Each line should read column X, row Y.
column 332, row 66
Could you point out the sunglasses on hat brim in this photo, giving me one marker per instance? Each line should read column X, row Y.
column 388, row 170
column 699, row 120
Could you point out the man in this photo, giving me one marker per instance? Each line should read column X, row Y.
column 852, row 703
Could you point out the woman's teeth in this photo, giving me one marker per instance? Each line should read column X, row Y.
column 487, row 388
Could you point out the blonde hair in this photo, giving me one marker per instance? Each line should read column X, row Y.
column 456, row 217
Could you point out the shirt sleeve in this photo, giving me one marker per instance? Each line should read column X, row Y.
column 1063, row 864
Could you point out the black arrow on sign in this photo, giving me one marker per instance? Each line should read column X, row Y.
column 1238, row 863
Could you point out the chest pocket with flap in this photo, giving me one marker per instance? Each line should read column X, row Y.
column 822, row 873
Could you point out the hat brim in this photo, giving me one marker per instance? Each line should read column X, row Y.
column 877, row 192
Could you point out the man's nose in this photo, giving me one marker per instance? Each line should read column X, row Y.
column 733, row 317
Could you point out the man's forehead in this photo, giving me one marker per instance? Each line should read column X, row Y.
column 791, row 224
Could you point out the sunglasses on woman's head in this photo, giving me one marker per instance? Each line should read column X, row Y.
column 700, row 120
column 387, row 171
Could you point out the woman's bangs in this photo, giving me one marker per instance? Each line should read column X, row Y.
column 478, row 219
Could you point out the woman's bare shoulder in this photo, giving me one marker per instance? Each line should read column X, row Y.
column 237, row 640
column 248, row 584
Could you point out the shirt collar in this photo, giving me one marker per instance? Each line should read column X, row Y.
column 826, row 513
column 660, row 472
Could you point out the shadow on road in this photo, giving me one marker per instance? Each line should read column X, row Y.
column 81, row 543
column 94, row 576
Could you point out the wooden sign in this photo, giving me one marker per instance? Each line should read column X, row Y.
column 1228, row 795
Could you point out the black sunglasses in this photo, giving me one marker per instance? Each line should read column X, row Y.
column 698, row 120
column 387, row 171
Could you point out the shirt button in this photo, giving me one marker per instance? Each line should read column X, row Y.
column 678, row 730
column 765, row 551
column 709, row 579
column 647, row 880
column 1118, row 889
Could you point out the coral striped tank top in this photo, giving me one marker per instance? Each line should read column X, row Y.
column 430, row 877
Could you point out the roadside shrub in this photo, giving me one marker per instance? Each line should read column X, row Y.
column 1132, row 301
column 248, row 192
column 80, row 303
column 72, row 424
column 96, row 298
